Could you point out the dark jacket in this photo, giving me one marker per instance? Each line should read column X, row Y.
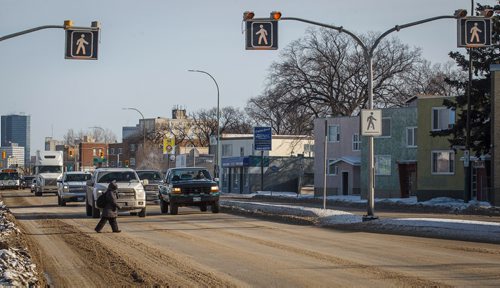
column 111, row 208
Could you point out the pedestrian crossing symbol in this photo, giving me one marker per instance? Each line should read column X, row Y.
column 262, row 35
column 474, row 32
column 81, row 44
column 371, row 122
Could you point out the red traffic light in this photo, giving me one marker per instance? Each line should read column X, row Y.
column 460, row 13
column 276, row 15
column 487, row 13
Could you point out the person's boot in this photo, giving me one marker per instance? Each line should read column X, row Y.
column 100, row 225
column 114, row 225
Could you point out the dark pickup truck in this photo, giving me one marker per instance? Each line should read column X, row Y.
column 190, row 186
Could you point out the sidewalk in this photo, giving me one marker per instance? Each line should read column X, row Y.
column 467, row 230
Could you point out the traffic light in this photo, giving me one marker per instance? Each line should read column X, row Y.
column 126, row 163
column 487, row 13
column 70, row 153
column 460, row 13
column 4, row 154
column 248, row 15
column 276, row 15
column 101, row 154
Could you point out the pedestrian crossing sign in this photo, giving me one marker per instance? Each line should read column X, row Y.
column 261, row 34
column 371, row 122
column 474, row 32
column 81, row 44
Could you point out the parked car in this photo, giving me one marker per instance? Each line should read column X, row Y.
column 131, row 195
column 150, row 180
column 189, row 187
column 27, row 181
column 72, row 187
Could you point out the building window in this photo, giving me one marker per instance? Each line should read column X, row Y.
column 94, row 152
column 332, row 168
column 383, row 165
column 242, row 151
column 411, row 136
column 442, row 118
column 386, row 127
column 111, row 151
column 132, row 161
column 333, row 133
column 132, row 147
column 227, row 150
column 443, row 162
column 119, row 150
column 356, row 142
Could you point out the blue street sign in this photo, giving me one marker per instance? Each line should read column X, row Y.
column 261, row 34
column 474, row 31
column 262, row 138
column 81, row 44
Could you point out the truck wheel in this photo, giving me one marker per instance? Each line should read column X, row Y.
column 203, row 207
column 174, row 209
column 142, row 213
column 96, row 213
column 88, row 209
column 163, row 206
column 215, row 207
column 58, row 201
column 63, row 203
column 38, row 193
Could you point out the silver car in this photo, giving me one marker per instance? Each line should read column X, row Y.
column 150, row 180
column 72, row 187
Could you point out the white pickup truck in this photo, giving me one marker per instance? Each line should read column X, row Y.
column 131, row 194
column 72, row 187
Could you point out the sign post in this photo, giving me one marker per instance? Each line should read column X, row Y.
column 262, row 140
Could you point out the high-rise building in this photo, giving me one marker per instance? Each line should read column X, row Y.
column 17, row 129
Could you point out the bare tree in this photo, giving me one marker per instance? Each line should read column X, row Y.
column 325, row 73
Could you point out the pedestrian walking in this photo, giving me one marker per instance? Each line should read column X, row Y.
column 110, row 211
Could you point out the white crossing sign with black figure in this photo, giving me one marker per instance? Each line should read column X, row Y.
column 371, row 122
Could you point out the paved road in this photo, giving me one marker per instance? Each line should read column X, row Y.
column 203, row 249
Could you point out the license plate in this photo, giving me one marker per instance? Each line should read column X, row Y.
column 196, row 199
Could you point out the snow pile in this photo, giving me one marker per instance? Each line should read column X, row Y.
column 427, row 227
column 323, row 216
column 16, row 267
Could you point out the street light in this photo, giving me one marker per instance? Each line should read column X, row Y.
column 105, row 142
column 217, row 154
column 143, row 130
column 368, row 52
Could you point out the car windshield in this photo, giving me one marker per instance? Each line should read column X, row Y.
column 49, row 169
column 77, row 177
column 9, row 176
column 149, row 175
column 190, row 174
column 119, row 176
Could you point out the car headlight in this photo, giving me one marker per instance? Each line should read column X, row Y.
column 140, row 193
column 99, row 192
column 66, row 188
column 214, row 189
column 176, row 190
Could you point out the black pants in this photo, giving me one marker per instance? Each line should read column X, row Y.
column 102, row 222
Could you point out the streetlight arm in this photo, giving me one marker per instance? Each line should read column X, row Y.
column 338, row 28
column 399, row 27
column 135, row 109
column 30, row 30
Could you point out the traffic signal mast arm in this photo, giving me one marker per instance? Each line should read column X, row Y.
column 369, row 52
column 31, row 30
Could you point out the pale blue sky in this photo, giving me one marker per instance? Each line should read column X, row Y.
column 147, row 47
